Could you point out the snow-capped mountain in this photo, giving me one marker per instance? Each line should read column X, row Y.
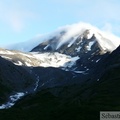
column 73, row 54
column 68, row 34
column 82, row 41
column 35, row 59
column 77, row 48
column 73, row 39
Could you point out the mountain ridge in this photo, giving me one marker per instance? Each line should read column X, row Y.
column 71, row 75
column 67, row 32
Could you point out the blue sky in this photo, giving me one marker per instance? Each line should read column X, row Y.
column 21, row 20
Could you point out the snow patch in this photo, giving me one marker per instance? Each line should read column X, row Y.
column 97, row 60
column 27, row 64
column 42, row 59
column 78, row 49
column 98, row 79
column 46, row 47
column 19, row 63
column 71, row 63
column 52, row 59
column 74, row 39
column 36, row 85
column 27, row 55
column 6, row 52
column 90, row 45
column 83, row 72
column 62, row 61
column 6, row 57
column 12, row 100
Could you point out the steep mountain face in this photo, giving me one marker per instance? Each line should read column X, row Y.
column 13, row 79
column 89, row 45
column 70, row 71
column 31, row 72
column 41, row 70
column 36, row 59
column 84, row 41
column 74, row 101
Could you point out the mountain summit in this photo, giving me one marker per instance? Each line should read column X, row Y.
column 68, row 35
column 81, row 41
column 76, row 38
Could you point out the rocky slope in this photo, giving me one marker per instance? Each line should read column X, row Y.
column 74, row 101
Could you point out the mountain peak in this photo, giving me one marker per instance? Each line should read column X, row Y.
column 68, row 35
column 88, row 34
column 78, row 39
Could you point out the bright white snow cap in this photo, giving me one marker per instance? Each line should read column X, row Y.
column 106, row 40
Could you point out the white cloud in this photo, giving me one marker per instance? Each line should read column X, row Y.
column 14, row 15
column 107, row 27
column 73, row 30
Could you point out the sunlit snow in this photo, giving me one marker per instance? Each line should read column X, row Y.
column 40, row 59
column 6, row 52
column 6, row 57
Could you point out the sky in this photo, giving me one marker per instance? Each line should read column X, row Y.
column 22, row 20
